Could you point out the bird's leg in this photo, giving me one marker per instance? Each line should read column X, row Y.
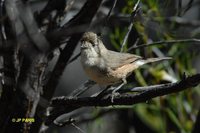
column 117, row 88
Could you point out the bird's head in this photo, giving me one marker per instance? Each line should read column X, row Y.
column 91, row 44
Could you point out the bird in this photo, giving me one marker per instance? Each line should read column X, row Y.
column 106, row 67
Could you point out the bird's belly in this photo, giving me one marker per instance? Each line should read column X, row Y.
column 101, row 78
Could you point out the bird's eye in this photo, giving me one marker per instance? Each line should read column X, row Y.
column 93, row 44
column 82, row 40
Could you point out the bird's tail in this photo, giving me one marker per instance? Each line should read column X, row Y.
column 141, row 62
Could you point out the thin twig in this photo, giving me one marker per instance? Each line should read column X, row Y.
column 159, row 53
column 84, row 87
column 164, row 42
column 179, row 7
column 109, row 13
column 133, row 14
column 144, row 88
column 182, row 21
column 74, row 58
column 189, row 5
column 136, row 42
column 78, row 128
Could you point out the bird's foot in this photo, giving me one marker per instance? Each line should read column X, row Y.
column 113, row 95
column 114, row 92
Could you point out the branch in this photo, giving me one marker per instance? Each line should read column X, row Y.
column 27, row 62
column 83, row 88
column 133, row 14
column 77, row 25
column 183, row 21
column 189, row 5
column 65, row 105
column 194, row 40
column 31, row 27
column 58, row 5
column 109, row 13
column 84, row 118
column 74, row 58
column 179, row 10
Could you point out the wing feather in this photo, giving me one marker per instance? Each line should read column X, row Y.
column 115, row 59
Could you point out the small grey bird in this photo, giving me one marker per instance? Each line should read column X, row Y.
column 107, row 67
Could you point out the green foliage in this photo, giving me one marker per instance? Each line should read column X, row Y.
column 177, row 109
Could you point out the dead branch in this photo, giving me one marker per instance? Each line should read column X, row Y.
column 63, row 105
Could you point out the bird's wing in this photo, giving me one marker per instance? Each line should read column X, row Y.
column 115, row 59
